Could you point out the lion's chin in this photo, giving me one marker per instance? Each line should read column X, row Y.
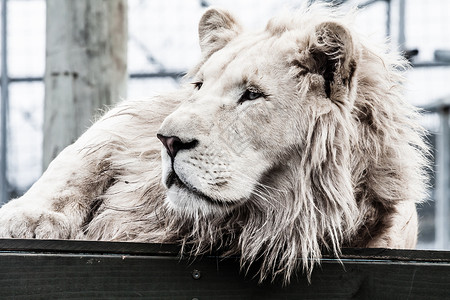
column 185, row 202
column 186, row 199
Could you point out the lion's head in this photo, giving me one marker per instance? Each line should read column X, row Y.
column 287, row 137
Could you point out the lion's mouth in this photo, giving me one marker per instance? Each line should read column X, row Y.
column 174, row 180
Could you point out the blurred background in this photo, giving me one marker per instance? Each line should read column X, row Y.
column 163, row 45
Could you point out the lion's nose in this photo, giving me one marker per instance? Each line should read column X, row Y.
column 173, row 144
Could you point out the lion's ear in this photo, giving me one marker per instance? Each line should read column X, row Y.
column 334, row 57
column 217, row 27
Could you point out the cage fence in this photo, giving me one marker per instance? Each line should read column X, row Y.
column 163, row 45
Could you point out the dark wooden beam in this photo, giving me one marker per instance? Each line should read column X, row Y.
column 44, row 269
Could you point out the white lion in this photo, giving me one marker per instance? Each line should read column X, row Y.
column 289, row 140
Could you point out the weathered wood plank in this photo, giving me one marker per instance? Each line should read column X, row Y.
column 37, row 269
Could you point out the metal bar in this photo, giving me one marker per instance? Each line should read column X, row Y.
column 430, row 64
column 401, row 24
column 178, row 74
column 388, row 17
column 4, row 187
column 26, row 79
column 175, row 75
column 368, row 3
column 442, row 194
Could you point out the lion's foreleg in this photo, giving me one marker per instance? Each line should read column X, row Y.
column 58, row 204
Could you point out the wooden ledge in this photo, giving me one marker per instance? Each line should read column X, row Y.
column 57, row 269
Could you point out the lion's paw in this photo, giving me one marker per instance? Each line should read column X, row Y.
column 33, row 222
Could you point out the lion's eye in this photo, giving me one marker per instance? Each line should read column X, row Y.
column 250, row 95
column 198, row 85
